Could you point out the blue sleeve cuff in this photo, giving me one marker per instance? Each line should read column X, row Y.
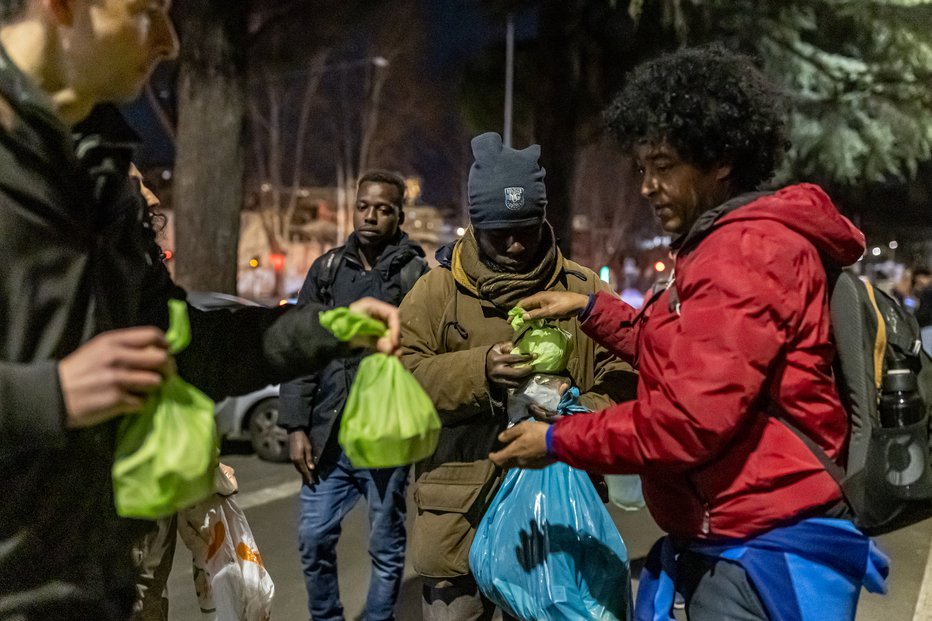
column 550, row 442
column 584, row 313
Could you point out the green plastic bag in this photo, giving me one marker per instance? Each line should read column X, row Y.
column 167, row 453
column 389, row 420
column 550, row 345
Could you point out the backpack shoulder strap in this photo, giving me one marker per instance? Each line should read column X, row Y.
column 880, row 341
column 837, row 472
column 411, row 272
column 329, row 274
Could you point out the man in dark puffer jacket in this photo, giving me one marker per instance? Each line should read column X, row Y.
column 381, row 261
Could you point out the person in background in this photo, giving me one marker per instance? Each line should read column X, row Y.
column 920, row 280
column 380, row 261
column 84, row 302
column 733, row 356
column 154, row 552
column 456, row 340
column 908, row 290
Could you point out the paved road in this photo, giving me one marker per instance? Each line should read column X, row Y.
column 269, row 493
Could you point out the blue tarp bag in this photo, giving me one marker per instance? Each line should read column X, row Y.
column 547, row 549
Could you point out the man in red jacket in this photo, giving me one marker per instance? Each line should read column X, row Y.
column 740, row 334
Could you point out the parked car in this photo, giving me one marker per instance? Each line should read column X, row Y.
column 254, row 416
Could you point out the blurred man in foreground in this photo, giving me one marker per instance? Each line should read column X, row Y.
column 83, row 305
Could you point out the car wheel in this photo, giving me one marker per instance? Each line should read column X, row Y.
column 268, row 439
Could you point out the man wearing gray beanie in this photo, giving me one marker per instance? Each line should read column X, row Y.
column 506, row 186
column 456, row 340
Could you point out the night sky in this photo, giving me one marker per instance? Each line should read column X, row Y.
column 458, row 33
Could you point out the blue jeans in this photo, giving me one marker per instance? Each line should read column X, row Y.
column 323, row 507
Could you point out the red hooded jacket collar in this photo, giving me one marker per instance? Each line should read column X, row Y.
column 804, row 208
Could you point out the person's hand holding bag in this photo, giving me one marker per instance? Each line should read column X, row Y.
column 388, row 420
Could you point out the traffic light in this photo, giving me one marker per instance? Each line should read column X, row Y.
column 605, row 274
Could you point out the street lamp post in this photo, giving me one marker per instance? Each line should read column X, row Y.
column 509, row 76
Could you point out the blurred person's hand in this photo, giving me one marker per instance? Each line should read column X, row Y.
column 301, row 453
column 112, row 374
column 387, row 314
column 526, row 447
column 506, row 369
column 553, row 305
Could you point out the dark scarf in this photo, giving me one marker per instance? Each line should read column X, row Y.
column 504, row 289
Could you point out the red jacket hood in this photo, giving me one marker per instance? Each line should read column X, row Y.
column 807, row 210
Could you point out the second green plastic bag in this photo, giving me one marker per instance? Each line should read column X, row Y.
column 166, row 454
column 551, row 346
column 389, row 420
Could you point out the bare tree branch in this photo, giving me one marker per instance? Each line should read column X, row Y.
column 313, row 81
column 262, row 24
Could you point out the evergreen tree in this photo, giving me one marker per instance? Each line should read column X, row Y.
column 858, row 73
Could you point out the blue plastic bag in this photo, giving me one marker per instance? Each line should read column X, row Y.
column 547, row 550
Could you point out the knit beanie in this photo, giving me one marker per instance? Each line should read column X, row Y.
column 506, row 186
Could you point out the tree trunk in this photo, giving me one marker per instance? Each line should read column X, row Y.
column 556, row 115
column 210, row 160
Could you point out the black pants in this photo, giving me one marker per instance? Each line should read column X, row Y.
column 717, row 590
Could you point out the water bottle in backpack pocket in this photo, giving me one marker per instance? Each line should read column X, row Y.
column 898, row 460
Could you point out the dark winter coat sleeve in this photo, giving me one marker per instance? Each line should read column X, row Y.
column 234, row 352
column 237, row 352
column 297, row 396
column 33, row 410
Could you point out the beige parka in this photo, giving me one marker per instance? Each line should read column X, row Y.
column 447, row 330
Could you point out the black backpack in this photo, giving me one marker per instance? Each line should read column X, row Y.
column 872, row 334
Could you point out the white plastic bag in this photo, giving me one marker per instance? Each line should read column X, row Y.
column 232, row 583
column 624, row 491
column 540, row 389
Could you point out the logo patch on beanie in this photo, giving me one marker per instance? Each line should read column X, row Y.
column 514, row 198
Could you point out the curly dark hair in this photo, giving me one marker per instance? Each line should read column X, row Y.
column 710, row 104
